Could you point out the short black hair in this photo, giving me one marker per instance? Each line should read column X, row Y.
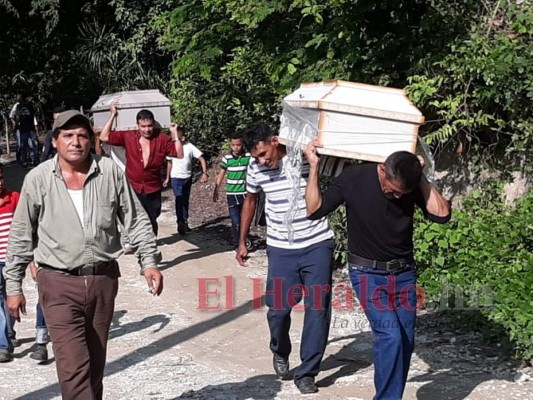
column 236, row 135
column 145, row 114
column 256, row 133
column 405, row 168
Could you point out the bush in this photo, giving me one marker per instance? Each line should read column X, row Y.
column 481, row 264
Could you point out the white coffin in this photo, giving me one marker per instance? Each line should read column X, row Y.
column 129, row 104
column 352, row 120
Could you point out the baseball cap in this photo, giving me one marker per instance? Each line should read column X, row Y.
column 72, row 116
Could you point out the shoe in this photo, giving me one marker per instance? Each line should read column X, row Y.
column 281, row 366
column 182, row 230
column 40, row 354
column 187, row 229
column 306, row 385
column 5, row 356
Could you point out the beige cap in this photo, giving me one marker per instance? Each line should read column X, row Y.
column 72, row 116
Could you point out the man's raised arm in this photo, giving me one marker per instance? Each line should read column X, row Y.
column 106, row 130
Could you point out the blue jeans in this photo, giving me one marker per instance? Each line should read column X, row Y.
column 389, row 302
column 40, row 324
column 293, row 274
column 6, row 321
column 151, row 203
column 182, row 192
column 235, row 202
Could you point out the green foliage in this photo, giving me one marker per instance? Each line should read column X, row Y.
column 480, row 93
column 236, row 60
column 338, row 223
column 70, row 52
column 482, row 261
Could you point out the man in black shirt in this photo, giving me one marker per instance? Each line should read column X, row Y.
column 380, row 201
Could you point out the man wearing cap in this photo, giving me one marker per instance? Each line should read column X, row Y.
column 146, row 151
column 67, row 221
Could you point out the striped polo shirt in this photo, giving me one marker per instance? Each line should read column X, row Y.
column 283, row 219
column 235, row 167
column 8, row 203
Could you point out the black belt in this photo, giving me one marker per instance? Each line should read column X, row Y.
column 392, row 265
column 98, row 269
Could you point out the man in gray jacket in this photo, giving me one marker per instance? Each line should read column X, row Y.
column 67, row 221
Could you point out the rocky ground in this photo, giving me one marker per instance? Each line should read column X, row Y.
column 215, row 346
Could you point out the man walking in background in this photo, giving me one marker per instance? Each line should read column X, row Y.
column 146, row 151
column 179, row 173
column 67, row 220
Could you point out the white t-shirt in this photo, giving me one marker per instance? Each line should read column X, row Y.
column 77, row 199
column 182, row 167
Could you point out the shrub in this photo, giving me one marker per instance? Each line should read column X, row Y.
column 480, row 266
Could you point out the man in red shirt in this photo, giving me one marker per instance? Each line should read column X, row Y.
column 146, row 151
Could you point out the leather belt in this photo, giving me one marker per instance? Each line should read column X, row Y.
column 98, row 269
column 392, row 265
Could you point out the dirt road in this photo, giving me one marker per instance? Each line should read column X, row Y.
column 181, row 346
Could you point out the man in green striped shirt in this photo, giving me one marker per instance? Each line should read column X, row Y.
column 234, row 166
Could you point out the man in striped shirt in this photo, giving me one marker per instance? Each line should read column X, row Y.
column 8, row 203
column 299, row 254
column 234, row 165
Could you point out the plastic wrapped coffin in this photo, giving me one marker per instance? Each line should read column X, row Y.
column 352, row 120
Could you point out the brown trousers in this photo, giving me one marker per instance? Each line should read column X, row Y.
column 78, row 312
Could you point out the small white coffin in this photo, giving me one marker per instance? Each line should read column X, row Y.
column 352, row 120
column 129, row 104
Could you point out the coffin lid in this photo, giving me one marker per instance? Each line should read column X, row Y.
column 356, row 98
column 131, row 99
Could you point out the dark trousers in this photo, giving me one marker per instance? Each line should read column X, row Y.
column 151, row 203
column 182, row 192
column 293, row 274
column 78, row 311
column 235, row 202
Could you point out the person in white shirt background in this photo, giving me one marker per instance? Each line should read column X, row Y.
column 179, row 174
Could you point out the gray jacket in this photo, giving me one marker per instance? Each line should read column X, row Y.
column 46, row 227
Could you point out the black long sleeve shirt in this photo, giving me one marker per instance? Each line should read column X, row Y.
column 379, row 228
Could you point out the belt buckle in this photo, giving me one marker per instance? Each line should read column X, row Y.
column 393, row 265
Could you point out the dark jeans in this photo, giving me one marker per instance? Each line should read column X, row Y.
column 27, row 140
column 389, row 302
column 78, row 310
column 293, row 274
column 182, row 192
column 235, row 202
column 151, row 203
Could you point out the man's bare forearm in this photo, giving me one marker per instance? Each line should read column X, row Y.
column 313, row 197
